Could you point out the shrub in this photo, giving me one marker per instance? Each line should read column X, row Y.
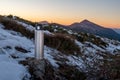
column 49, row 28
column 10, row 16
column 105, row 69
column 12, row 25
column 71, row 73
column 91, row 38
column 111, row 67
column 62, row 42
column 26, row 21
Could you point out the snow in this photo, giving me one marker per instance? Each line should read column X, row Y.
column 78, row 43
column 1, row 26
column 50, row 58
column 75, row 61
column 48, row 32
column 55, row 30
column 14, row 33
column 29, row 27
column 10, row 69
column 95, row 46
column 111, row 48
column 70, row 32
column 8, row 39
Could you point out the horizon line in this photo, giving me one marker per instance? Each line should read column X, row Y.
column 65, row 24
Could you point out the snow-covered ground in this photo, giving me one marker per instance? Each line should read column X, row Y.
column 10, row 69
column 29, row 27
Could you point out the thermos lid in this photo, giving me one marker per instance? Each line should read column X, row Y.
column 37, row 27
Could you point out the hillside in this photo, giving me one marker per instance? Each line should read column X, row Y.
column 117, row 30
column 68, row 55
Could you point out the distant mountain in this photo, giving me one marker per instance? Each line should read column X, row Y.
column 44, row 23
column 117, row 30
column 90, row 27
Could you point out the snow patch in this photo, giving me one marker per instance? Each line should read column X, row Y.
column 75, row 61
column 50, row 58
column 10, row 69
column 29, row 27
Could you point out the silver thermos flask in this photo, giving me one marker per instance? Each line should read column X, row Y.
column 39, row 43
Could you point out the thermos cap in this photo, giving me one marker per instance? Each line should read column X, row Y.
column 37, row 27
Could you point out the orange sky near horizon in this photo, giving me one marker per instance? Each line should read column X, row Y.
column 102, row 12
column 104, row 23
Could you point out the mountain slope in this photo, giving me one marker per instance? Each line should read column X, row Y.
column 92, row 28
column 69, row 55
column 117, row 30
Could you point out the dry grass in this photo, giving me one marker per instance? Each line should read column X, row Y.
column 12, row 25
column 62, row 42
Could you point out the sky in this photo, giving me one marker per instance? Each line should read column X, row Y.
column 103, row 12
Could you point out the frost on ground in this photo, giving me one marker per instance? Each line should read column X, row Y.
column 14, row 48
column 29, row 27
column 10, row 69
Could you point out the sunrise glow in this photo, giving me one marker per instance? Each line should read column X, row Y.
column 102, row 12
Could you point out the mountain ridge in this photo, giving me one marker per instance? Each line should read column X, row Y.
column 93, row 28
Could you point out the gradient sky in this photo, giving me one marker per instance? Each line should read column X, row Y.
column 102, row 12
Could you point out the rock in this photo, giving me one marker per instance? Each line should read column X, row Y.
column 36, row 68
column 43, row 70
